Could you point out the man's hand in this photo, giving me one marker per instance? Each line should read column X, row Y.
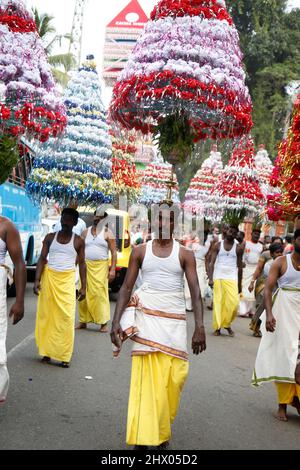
column 17, row 312
column 199, row 340
column 37, row 287
column 251, row 286
column 116, row 335
column 111, row 275
column 81, row 295
column 270, row 323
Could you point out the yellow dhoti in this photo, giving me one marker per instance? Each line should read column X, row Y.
column 157, row 380
column 96, row 308
column 226, row 301
column 287, row 392
column 54, row 331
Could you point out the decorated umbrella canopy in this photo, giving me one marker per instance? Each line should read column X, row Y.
column 203, row 182
column 237, row 193
column 29, row 102
column 264, row 168
column 185, row 80
column 124, row 172
column 154, row 179
column 78, row 167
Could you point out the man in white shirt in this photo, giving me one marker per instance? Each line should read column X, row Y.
column 252, row 253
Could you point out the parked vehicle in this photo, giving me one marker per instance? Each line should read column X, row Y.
column 16, row 205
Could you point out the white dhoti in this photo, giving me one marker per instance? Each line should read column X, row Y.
column 278, row 351
column 156, row 322
column 4, row 377
column 247, row 302
column 203, row 283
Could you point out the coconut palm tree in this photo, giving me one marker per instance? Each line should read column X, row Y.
column 61, row 63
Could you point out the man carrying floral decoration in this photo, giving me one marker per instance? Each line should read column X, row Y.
column 155, row 320
column 225, row 277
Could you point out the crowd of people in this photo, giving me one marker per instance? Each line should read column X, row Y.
column 257, row 279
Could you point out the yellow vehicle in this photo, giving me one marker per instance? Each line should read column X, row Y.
column 119, row 224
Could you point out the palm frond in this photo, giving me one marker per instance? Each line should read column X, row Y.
column 65, row 60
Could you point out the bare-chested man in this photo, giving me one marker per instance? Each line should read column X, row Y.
column 10, row 243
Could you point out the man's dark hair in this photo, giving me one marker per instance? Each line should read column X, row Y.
column 256, row 230
column 71, row 213
column 289, row 238
column 276, row 238
column 297, row 234
column 276, row 247
column 235, row 227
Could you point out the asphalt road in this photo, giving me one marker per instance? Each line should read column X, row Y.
column 53, row 408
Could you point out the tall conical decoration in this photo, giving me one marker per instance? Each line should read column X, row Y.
column 124, row 173
column 29, row 101
column 264, row 168
column 185, row 79
column 154, row 181
column 78, row 167
column 203, row 182
column 237, row 193
column 290, row 165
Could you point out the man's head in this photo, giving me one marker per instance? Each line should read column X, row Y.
column 231, row 233
column 276, row 250
column 289, row 238
column 165, row 225
column 240, row 236
column 296, row 241
column 277, row 240
column 216, row 231
column 255, row 236
column 69, row 218
column 267, row 240
column 99, row 215
column 224, row 229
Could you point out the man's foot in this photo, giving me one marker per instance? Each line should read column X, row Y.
column 257, row 334
column 210, row 307
column 140, row 448
column 281, row 413
column 164, row 445
column 46, row 359
column 217, row 333
column 296, row 404
column 244, row 315
column 188, row 310
column 80, row 326
column 230, row 332
column 65, row 365
column 104, row 329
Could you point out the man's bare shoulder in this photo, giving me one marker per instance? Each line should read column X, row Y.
column 139, row 250
column 279, row 262
column 6, row 223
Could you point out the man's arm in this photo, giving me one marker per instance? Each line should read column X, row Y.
column 80, row 248
column 257, row 273
column 240, row 252
column 214, row 253
column 274, row 274
column 135, row 263
column 42, row 262
column 198, row 340
column 113, row 249
column 14, row 247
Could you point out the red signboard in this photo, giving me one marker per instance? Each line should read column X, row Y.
column 133, row 16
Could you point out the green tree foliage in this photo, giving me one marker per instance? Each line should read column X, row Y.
column 61, row 63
